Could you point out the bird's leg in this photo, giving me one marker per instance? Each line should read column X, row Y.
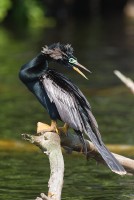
column 41, row 127
column 63, row 129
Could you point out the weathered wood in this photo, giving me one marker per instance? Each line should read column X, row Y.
column 72, row 143
column 49, row 143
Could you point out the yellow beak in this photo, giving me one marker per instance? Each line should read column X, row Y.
column 76, row 69
column 80, row 72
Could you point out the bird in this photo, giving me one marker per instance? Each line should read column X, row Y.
column 62, row 99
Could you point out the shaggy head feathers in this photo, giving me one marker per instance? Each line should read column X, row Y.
column 58, row 51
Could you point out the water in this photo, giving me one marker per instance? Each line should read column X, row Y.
column 25, row 175
column 100, row 45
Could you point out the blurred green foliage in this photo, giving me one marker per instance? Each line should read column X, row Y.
column 5, row 5
column 35, row 13
column 19, row 12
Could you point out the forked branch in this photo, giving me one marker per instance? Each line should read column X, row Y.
column 50, row 143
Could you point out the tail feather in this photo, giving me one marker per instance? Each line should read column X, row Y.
column 81, row 137
column 110, row 160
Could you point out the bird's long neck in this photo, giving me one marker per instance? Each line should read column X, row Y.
column 32, row 70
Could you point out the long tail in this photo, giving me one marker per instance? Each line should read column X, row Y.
column 110, row 160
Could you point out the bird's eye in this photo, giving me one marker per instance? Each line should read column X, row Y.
column 72, row 60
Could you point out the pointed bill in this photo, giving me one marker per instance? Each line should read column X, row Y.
column 82, row 67
column 76, row 69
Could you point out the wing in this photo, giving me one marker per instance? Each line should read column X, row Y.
column 74, row 109
column 69, row 100
column 65, row 103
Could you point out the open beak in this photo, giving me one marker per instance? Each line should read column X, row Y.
column 82, row 67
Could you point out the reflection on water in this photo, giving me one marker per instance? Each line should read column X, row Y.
column 100, row 45
column 25, row 176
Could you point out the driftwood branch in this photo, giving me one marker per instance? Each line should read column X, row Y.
column 49, row 143
column 72, row 143
column 127, row 81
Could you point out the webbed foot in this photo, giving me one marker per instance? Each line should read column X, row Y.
column 41, row 127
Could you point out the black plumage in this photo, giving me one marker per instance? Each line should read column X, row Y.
column 62, row 98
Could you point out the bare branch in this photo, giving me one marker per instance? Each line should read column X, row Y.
column 71, row 142
column 49, row 143
column 127, row 81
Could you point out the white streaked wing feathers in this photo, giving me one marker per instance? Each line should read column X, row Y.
column 65, row 103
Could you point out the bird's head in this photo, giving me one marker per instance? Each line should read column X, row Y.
column 63, row 54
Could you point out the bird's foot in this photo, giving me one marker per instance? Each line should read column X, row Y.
column 41, row 127
column 63, row 129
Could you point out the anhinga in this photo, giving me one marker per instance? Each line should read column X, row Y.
column 63, row 100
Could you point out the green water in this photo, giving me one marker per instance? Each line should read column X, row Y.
column 25, row 176
column 101, row 46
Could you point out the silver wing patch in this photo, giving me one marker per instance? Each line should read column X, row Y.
column 65, row 102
